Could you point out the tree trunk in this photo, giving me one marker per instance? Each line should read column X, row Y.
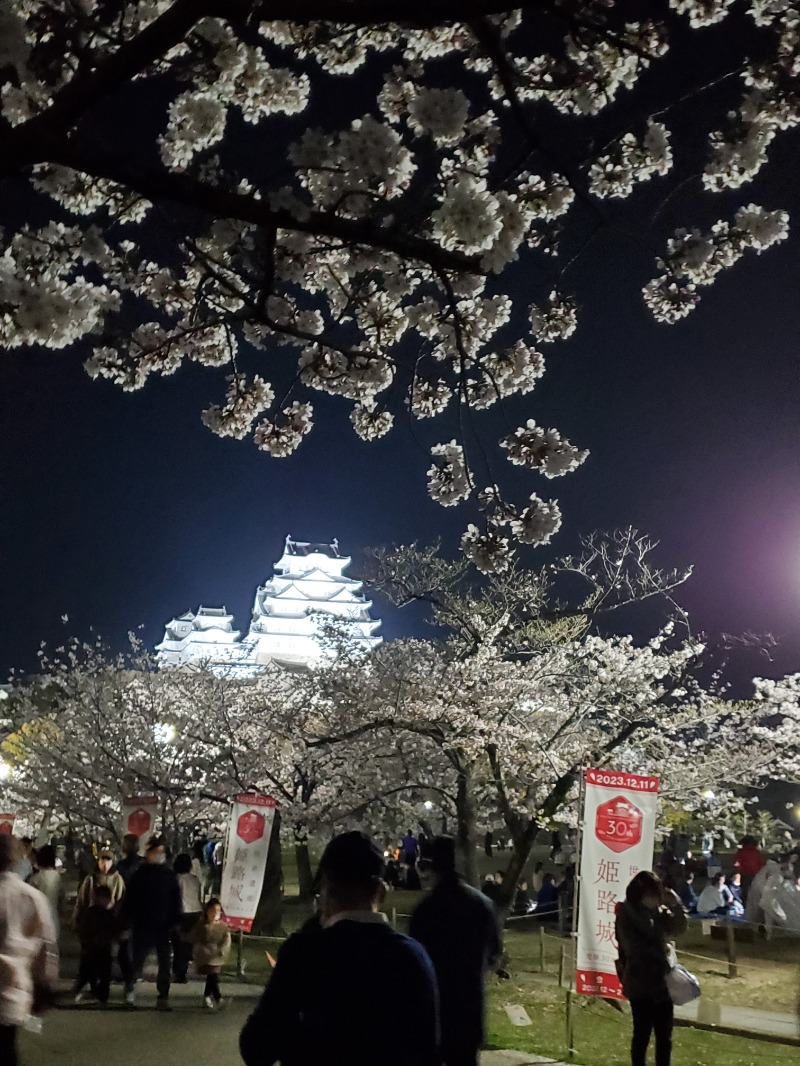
column 522, row 846
column 269, row 916
column 305, row 872
column 465, row 821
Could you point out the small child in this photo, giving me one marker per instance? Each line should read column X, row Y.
column 212, row 945
column 97, row 931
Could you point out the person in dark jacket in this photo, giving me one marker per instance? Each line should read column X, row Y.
column 457, row 926
column 126, row 867
column 97, row 931
column 151, row 909
column 648, row 918
column 131, row 859
column 547, row 900
column 340, row 988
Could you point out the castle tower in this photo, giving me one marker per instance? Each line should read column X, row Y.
column 308, row 586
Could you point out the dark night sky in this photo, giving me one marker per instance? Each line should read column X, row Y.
column 121, row 510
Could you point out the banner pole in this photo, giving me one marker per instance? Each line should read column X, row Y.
column 575, row 905
column 239, row 960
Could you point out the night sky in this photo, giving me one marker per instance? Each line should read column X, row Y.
column 121, row 510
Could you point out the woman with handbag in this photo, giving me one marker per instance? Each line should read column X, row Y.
column 650, row 916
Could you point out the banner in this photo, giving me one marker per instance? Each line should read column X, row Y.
column 139, row 818
column 245, row 859
column 7, row 824
column 619, row 821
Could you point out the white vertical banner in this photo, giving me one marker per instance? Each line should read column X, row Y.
column 139, row 817
column 245, row 859
column 619, row 822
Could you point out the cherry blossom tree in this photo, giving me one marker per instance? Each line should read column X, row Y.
column 524, row 692
column 373, row 200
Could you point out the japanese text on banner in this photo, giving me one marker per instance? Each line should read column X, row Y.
column 249, row 831
column 619, row 818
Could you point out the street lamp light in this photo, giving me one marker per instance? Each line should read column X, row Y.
column 164, row 733
column 709, row 794
column 428, row 805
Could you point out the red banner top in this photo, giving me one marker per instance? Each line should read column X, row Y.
column 255, row 799
column 140, row 801
column 619, row 779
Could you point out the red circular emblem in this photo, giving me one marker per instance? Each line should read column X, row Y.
column 250, row 826
column 6, row 829
column 618, row 824
column 139, row 822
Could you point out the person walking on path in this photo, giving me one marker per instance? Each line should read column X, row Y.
column 131, row 859
column 649, row 917
column 151, row 910
column 105, row 874
column 212, row 945
column 126, row 867
column 28, row 952
column 50, row 883
column 97, row 931
column 192, row 913
column 350, row 991
column 457, row 926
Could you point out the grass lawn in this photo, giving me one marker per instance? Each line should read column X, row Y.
column 769, row 980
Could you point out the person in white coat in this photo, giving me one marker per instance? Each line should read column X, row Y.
column 28, row 952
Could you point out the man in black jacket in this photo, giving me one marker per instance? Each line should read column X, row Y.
column 349, row 991
column 151, row 908
column 457, row 926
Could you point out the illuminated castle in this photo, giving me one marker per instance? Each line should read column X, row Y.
column 308, row 587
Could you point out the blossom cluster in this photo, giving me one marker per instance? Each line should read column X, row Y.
column 695, row 259
column 371, row 251
column 544, row 450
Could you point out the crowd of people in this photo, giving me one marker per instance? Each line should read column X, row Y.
column 124, row 910
column 764, row 892
column 347, row 978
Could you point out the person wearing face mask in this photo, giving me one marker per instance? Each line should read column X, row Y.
column 150, row 912
column 105, row 875
column 650, row 916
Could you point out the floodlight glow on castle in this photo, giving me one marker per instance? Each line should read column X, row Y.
column 308, row 584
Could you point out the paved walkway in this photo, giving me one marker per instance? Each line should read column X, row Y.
column 706, row 1011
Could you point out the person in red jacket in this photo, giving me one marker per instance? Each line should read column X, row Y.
column 748, row 861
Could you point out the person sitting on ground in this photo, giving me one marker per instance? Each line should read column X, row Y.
column 712, row 902
column 457, row 926
column 336, row 992
column 734, row 886
column 489, row 887
column 28, row 952
column 547, row 900
column 684, row 889
column 523, row 902
column 97, row 930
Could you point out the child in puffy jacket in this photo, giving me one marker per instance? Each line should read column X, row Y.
column 212, row 945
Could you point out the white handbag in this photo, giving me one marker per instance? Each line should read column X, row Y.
column 682, row 986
